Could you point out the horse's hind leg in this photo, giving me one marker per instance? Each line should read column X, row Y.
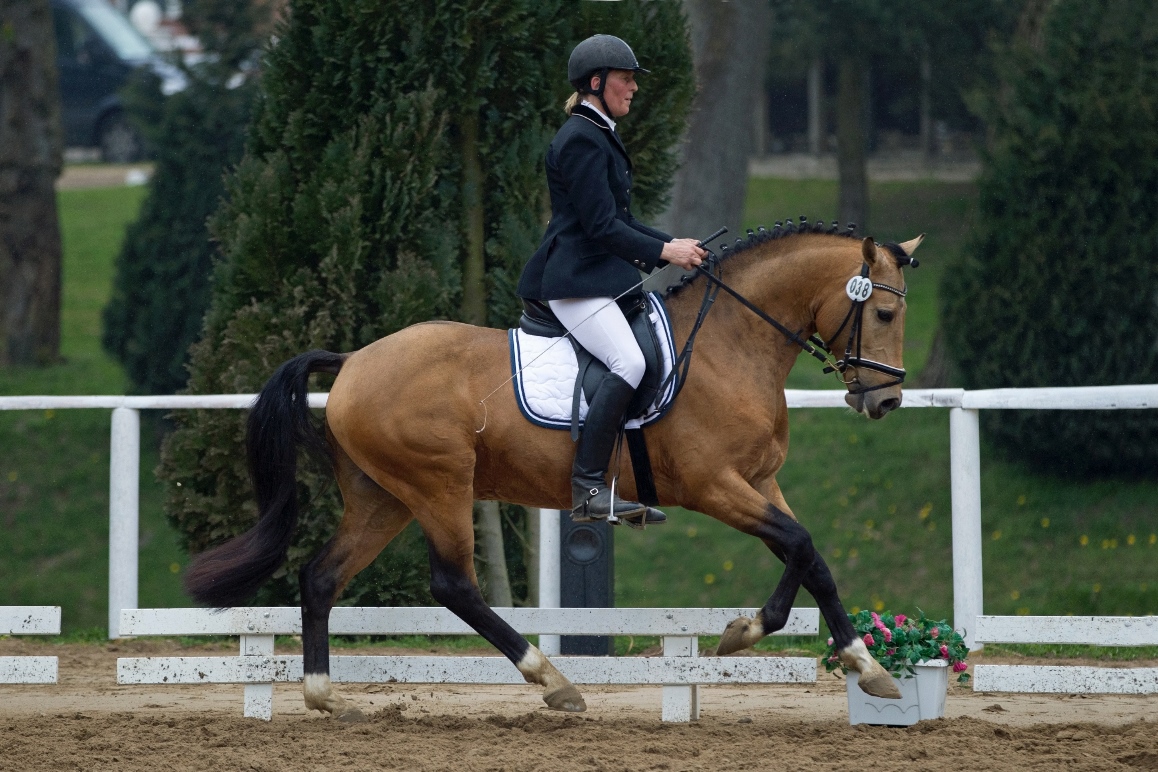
column 372, row 517
column 453, row 584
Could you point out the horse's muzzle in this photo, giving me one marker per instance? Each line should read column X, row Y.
column 874, row 404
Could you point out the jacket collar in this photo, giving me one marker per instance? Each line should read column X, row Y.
column 585, row 112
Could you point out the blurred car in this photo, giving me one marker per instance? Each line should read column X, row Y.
column 97, row 50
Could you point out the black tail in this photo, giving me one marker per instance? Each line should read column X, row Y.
column 279, row 423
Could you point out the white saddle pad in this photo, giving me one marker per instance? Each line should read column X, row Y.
column 545, row 370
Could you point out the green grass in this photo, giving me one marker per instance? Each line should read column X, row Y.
column 55, row 466
column 875, row 495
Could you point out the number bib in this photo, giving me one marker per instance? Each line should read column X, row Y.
column 859, row 288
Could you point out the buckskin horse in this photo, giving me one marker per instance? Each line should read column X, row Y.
column 410, row 437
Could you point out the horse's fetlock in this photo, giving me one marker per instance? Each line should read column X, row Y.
column 773, row 621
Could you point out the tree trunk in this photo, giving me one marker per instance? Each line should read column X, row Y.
column 729, row 49
column 489, row 536
column 531, row 557
column 30, row 162
column 852, row 142
column 816, row 129
column 474, row 268
column 936, row 373
column 926, row 126
column 488, row 526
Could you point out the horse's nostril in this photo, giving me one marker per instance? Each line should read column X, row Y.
column 890, row 404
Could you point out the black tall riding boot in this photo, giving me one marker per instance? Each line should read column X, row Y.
column 591, row 498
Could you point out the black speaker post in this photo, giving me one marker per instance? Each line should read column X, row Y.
column 587, row 578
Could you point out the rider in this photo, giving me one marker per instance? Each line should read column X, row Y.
column 592, row 252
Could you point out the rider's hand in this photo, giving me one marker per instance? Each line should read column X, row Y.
column 683, row 252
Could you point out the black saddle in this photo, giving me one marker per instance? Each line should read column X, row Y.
column 539, row 319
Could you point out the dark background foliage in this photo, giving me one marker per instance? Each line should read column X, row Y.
column 1060, row 284
column 344, row 221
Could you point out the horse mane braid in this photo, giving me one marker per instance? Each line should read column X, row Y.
column 780, row 230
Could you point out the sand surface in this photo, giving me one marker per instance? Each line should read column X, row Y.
column 87, row 721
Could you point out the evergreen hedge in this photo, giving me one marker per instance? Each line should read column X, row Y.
column 346, row 219
column 162, row 274
column 1059, row 287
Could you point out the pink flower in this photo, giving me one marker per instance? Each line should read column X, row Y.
column 945, row 651
column 868, row 640
column 935, row 632
column 829, row 641
column 834, row 659
column 891, row 652
column 888, row 634
column 900, row 619
column 959, row 666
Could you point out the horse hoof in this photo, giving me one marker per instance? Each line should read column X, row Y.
column 738, row 635
column 879, row 684
column 566, row 698
column 352, row 716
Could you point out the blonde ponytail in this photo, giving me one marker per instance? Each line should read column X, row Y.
column 572, row 102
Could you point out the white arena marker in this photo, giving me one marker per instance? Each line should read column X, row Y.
column 28, row 670
column 1062, row 679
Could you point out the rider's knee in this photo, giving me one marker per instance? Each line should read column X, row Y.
column 629, row 365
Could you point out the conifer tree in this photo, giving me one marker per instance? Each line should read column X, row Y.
column 391, row 166
column 1058, row 287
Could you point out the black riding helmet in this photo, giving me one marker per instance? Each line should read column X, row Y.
column 596, row 56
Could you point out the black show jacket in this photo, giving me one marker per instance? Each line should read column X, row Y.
column 593, row 247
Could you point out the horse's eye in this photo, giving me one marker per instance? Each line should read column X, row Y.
column 884, row 314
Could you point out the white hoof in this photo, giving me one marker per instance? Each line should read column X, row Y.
column 319, row 694
column 874, row 680
column 740, row 634
column 558, row 692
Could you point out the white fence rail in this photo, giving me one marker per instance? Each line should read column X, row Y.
column 680, row 671
column 963, row 439
column 1067, row 679
column 29, row 620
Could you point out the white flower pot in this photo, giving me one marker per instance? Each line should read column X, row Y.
column 922, row 697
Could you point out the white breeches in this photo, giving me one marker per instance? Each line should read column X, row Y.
column 601, row 328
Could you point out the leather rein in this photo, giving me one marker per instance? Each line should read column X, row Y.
column 814, row 345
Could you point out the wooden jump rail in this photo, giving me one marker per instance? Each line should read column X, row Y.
column 29, row 620
column 680, row 670
column 1067, row 679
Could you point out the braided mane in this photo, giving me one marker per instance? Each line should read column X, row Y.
column 762, row 235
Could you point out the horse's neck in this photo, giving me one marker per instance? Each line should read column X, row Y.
column 789, row 285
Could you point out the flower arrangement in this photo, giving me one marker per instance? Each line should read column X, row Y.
column 898, row 642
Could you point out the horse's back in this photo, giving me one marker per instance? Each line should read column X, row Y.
column 413, row 396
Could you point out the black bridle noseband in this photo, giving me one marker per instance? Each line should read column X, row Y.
column 859, row 289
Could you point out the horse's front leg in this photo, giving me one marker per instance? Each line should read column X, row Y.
column 771, row 520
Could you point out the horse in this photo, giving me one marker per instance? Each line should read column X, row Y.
column 417, row 428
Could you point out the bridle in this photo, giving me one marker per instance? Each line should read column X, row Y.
column 859, row 292
column 859, row 289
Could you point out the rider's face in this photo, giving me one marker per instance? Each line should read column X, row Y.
column 620, row 89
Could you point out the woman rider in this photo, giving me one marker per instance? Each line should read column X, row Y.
column 592, row 252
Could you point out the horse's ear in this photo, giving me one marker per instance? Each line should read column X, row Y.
column 868, row 248
column 911, row 245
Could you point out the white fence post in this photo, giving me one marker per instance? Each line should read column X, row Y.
column 258, row 697
column 124, row 513
column 681, row 702
column 549, row 588
column 965, row 469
